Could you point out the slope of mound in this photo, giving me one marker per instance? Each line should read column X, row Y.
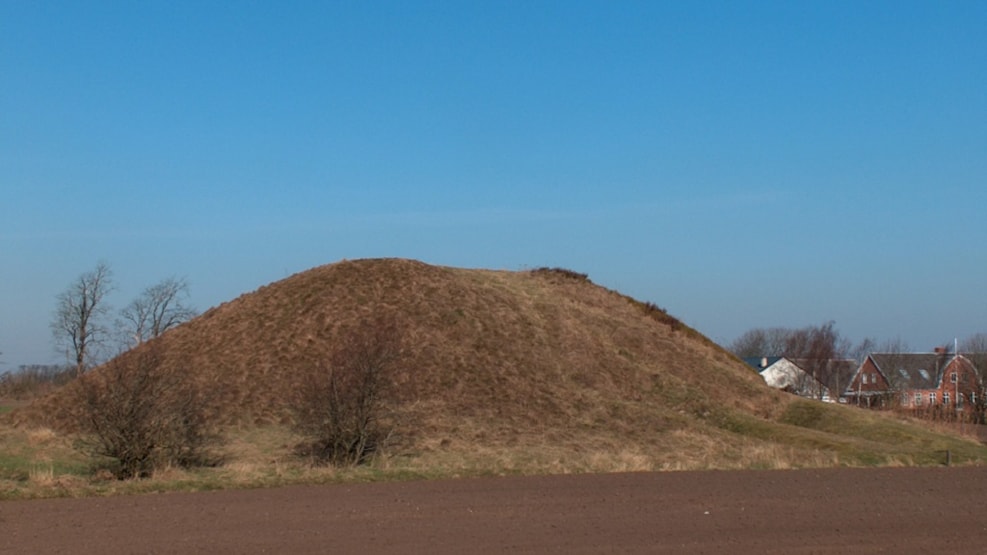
column 536, row 347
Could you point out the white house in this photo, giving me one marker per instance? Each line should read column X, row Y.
column 791, row 375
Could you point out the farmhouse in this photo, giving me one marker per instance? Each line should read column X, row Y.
column 814, row 379
column 916, row 381
column 781, row 373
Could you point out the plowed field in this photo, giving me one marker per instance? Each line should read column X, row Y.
column 805, row 511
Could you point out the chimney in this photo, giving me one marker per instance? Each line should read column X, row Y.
column 940, row 350
column 764, row 362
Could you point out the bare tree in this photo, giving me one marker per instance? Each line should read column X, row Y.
column 158, row 308
column 759, row 342
column 339, row 405
column 976, row 343
column 80, row 312
column 860, row 351
column 975, row 348
column 816, row 349
column 801, row 348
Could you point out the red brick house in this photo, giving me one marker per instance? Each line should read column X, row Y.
column 916, row 381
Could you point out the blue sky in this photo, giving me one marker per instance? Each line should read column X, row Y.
column 740, row 164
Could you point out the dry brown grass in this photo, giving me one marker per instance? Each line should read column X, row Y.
column 517, row 351
column 262, row 456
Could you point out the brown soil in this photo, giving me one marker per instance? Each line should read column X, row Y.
column 803, row 511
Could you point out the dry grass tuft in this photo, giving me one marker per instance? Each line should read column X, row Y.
column 41, row 436
column 43, row 476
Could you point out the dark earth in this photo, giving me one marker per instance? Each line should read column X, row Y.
column 892, row 510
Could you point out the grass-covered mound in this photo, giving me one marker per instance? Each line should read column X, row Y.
column 508, row 372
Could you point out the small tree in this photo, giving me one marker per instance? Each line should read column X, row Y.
column 143, row 416
column 80, row 310
column 975, row 349
column 157, row 309
column 339, row 405
column 760, row 342
column 815, row 348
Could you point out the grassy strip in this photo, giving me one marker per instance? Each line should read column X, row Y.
column 40, row 463
column 859, row 437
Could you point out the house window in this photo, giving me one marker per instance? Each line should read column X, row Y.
column 952, row 377
column 864, row 379
column 918, row 399
column 904, row 399
column 945, row 398
column 959, row 400
column 932, row 398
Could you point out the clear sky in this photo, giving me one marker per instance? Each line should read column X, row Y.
column 742, row 164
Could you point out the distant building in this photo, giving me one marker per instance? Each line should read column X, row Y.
column 916, row 381
column 809, row 378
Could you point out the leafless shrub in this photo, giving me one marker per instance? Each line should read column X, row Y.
column 340, row 405
column 659, row 314
column 760, row 342
column 34, row 380
column 143, row 416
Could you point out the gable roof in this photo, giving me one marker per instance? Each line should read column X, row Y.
column 912, row 370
